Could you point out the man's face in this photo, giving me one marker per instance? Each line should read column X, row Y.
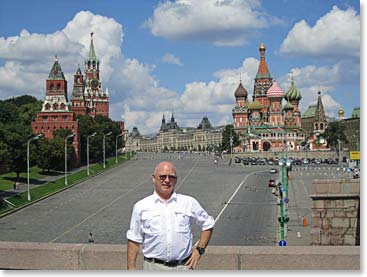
column 164, row 179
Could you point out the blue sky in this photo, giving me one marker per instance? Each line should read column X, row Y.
column 187, row 56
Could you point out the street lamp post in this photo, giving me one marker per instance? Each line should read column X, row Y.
column 28, row 142
column 120, row 135
column 306, row 145
column 66, row 158
column 338, row 148
column 92, row 135
column 104, row 148
column 231, row 143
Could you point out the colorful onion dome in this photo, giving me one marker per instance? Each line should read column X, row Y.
column 293, row 93
column 275, row 90
column 256, row 105
column 240, row 91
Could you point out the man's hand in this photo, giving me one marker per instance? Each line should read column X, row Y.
column 194, row 259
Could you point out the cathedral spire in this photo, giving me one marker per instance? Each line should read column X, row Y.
column 263, row 71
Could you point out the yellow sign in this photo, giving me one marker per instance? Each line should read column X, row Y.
column 354, row 155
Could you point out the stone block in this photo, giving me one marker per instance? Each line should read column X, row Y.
column 318, row 204
column 339, row 203
column 352, row 214
column 327, row 223
column 349, row 240
column 350, row 203
column 339, row 213
column 329, row 204
column 104, row 256
column 334, row 188
column 340, row 222
column 337, row 240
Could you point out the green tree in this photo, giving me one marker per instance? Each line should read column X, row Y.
column 16, row 137
column 335, row 131
column 51, row 153
column 28, row 112
column 226, row 136
column 101, row 125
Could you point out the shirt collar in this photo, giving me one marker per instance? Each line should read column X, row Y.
column 157, row 198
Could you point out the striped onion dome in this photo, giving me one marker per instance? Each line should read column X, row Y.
column 293, row 93
column 275, row 90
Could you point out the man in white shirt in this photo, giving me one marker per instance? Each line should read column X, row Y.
column 162, row 222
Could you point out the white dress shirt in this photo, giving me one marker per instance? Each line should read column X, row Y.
column 164, row 228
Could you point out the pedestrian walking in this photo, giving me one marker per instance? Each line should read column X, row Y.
column 162, row 224
column 91, row 238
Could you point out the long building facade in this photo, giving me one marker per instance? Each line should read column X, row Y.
column 173, row 138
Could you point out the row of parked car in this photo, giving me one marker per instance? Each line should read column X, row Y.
column 275, row 161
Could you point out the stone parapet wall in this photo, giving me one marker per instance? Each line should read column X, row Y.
column 57, row 256
column 335, row 218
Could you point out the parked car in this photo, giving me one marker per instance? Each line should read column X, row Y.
column 356, row 173
column 237, row 159
column 273, row 170
column 271, row 183
column 245, row 161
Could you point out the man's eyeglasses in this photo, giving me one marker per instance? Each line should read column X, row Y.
column 163, row 177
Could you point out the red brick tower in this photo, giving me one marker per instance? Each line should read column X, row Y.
column 240, row 113
column 55, row 112
column 77, row 99
column 97, row 100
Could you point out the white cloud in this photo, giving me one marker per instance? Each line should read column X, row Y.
column 221, row 22
column 29, row 57
column 335, row 34
column 171, row 59
column 310, row 79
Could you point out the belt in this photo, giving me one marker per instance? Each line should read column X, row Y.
column 169, row 264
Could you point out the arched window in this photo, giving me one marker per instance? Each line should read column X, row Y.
column 51, row 87
column 62, row 106
column 58, row 86
column 321, row 126
column 315, row 126
column 47, row 106
column 55, row 106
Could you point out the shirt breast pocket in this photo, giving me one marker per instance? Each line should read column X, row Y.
column 151, row 222
column 182, row 222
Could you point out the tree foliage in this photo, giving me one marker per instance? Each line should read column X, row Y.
column 226, row 138
column 335, row 131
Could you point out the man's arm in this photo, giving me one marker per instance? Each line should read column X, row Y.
column 132, row 253
column 203, row 242
column 205, row 237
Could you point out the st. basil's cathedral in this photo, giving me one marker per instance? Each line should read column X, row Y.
column 265, row 124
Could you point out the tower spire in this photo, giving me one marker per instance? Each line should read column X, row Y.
column 92, row 54
column 263, row 71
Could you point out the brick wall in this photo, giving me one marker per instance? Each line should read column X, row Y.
column 335, row 218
